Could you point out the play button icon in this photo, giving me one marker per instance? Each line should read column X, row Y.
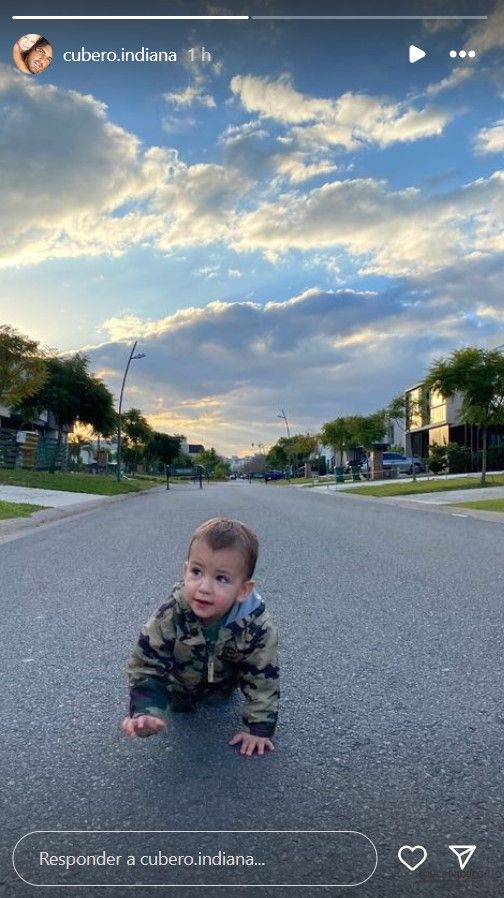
column 415, row 53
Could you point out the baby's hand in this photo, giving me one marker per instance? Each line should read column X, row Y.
column 145, row 725
column 250, row 743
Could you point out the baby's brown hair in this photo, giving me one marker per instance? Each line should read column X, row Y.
column 226, row 533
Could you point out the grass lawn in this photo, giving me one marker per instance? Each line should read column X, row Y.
column 426, row 486
column 483, row 504
column 304, row 481
column 17, row 510
column 97, row 484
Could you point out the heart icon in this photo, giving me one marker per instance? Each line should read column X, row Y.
column 410, row 851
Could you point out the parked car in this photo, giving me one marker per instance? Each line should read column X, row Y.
column 403, row 463
column 274, row 475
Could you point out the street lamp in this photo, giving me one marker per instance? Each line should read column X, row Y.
column 132, row 358
column 284, row 416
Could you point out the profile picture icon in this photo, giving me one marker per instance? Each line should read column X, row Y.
column 32, row 54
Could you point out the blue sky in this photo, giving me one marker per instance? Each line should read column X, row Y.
column 303, row 222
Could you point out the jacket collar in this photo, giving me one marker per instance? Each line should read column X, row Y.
column 237, row 617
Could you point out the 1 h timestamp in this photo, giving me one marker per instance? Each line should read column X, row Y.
column 199, row 54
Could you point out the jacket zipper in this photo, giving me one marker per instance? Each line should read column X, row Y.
column 210, row 661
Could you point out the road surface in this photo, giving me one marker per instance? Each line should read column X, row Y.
column 391, row 722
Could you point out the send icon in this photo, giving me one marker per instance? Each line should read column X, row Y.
column 464, row 853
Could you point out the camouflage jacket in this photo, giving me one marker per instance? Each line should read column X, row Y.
column 173, row 656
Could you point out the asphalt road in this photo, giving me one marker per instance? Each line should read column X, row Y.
column 391, row 721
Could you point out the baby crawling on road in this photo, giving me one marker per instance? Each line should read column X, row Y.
column 211, row 636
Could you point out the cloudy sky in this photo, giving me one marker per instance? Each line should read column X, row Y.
column 303, row 221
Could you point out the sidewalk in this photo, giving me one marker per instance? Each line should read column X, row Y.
column 49, row 498
column 438, row 498
column 438, row 501
column 58, row 505
column 453, row 496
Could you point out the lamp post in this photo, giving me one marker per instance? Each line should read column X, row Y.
column 132, row 357
column 284, row 416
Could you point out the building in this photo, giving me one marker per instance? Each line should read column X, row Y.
column 31, row 443
column 191, row 448
column 434, row 419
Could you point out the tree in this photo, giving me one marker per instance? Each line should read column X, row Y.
column 22, row 369
column 71, row 394
column 77, row 442
column 297, row 447
column 137, row 433
column 338, row 435
column 161, row 448
column 368, row 429
column 478, row 376
column 213, row 463
column 278, row 456
column 303, row 444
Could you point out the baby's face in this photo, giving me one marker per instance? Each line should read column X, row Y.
column 214, row 580
column 27, row 41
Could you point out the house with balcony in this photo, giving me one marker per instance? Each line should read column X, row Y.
column 432, row 418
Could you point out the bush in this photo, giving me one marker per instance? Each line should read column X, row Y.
column 458, row 458
column 495, row 459
column 437, row 460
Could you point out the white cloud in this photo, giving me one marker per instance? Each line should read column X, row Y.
column 175, row 124
column 394, row 233
column 64, row 182
column 351, row 121
column 278, row 99
column 488, row 35
column 90, row 187
column 482, row 38
column 251, row 149
column 189, row 96
column 194, row 92
column 199, row 205
column 459, row 75
column 491, row 140
column 86, row 186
